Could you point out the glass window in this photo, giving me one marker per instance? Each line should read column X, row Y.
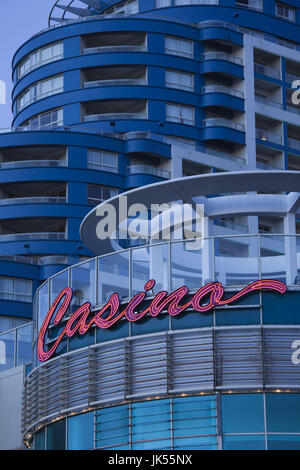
column 81, row 432
column 56, row 435
column 7, row 350
column 113, row 276
column 178, row 46
column 102, row 160
column 150, row 421
column 285, row 11
column 177, row 79
column 163, row 3
column 243, row 316
column 281, row 309
column 39, row 440
column 242, row 413
column 182, row 257
column 287, row 442
column 24, row 344
column 16, row 289
column 97, row 194
column 179, row 113
column 194, row 416
column 255, row 4
column 251, row 442
column 150, row 263
column 83, row 283
column 273, row 257
column 40, row 57
column 112, row 427
column 41, row 90
column 283, row 412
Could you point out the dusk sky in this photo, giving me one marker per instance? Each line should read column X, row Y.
column 20, row 19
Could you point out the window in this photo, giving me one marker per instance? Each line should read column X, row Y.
column 180, row 142
column 48, row 120
column 40, row 57
column 40, row 90
column 15, row 289
column 9, row 323
column 255, row 4
column 112, row 427
column 178, row 46
column 196, row 2
column 81, row 432
column 163, row 3
column 286, row 12
column 98, row 194
column 180, row 113
column 242, row 413
column 127, row 8
column 182, row 80
column 102, row 160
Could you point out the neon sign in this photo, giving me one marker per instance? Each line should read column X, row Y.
column 111, row 313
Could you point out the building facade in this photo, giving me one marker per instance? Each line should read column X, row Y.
column 115, row 96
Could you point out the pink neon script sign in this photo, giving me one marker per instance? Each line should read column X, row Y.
column 111, row 313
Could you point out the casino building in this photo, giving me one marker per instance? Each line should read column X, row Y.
column 161, row 101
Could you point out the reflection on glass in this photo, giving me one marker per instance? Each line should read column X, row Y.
column 83, row 282
column 287, row 442
column 57, row 284
column 243, row 413
column 283, row 412
column 236, row 260
column 188, row 265
column 150, row 263
column 112, row 427
column 251, row 442
column 273, row 258
column 7, row 350
column 113, row 276
column 24, row 345
column 43, row 304
column 56, row 435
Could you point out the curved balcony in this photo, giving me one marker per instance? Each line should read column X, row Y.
column 222, row 89
column 217, row 55
column 268, row 136
column 116, row 48
column 116, row 82
column 114, row 116
column 216, row 62
column 220, row 122
column 222, row 96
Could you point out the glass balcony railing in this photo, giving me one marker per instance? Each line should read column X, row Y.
column 148, row 170
column 16, row 347
column 216, row 55
column 268, row 71
column 32, row 163
column 266, row 166
column 290, row 77
column 33, row 200
column 221, row 122
column 33, row 236
column 108, row 116
column 116, row 82
column 268, row 136
column 115, row 48
column 268, row 102
column 222, row 89
column 294, row 143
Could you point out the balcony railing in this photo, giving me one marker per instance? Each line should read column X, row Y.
column 116, row 82
column 216, row 55
column 220, row 122
column 290, row 77
column 33, row 236
column 116, row 48
column 231, row 225
column 109, row 116
column 268, row 136
column 33, row 200
column 268, row 71
column 266, row 166
column 32, row 163
column 294, row 143
column 267, row 102
column 222, row 89
column 293, row 109
column 148, row 170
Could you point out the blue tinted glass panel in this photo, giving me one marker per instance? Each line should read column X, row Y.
column 281, row 309
column 194, row 416
column 278, row 442
column 151, row 445
column 24, row 345
column 242, row 413
column 56, row 435
column 283, row 412
column 249, row 299
column 80, row 341
column 150, row 325
column 192, row 320
column 112, row 428
column 243, row 316
column 81, row 432
column 244, row 442
column 39, row 440
column 201, row 442
column 83, row 283
column 119, row 330
column 7, row 351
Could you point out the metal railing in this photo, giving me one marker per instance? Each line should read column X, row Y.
column 148, row 170
column 222, row 122
column 222, row 89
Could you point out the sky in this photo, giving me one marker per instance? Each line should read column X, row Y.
column 19, row 20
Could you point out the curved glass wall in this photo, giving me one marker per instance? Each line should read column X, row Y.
column 241, row 421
